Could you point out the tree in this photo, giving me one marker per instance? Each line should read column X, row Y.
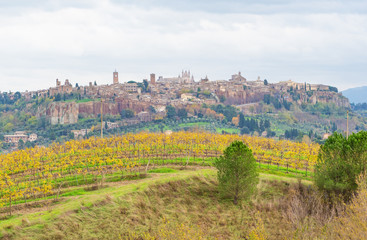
column 242, row 122
column 17, row 96
column 182, row 113
column 267, row 123
column 8, row 127
column 333, row 127
column 29, row 144
column 151, row 109
column 333, row 89
column 127, row 113
column 145, row 84
column 58, row 97
column 340, row 161
column 245, row 130
column 222, row 98
column 71, row 135
column 266, row 82
column 21, row 144
column 171, row 111
column 237, row 172
column 235, row 121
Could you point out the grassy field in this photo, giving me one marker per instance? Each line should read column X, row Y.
column 169, row 200
column 194, row 125
column 228, row 130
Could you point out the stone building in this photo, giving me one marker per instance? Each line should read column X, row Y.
column 20, row 135
column 32, row 137
column 61, row 89
column 80, row 133
column 131, row 87
column 238, row 78
column 112, row 125
column 144, row 117
column 15, row 138
column 184, row 78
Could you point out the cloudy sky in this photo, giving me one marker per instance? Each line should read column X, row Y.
column 316, row 41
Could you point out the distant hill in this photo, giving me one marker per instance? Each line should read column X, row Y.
column 356, row 95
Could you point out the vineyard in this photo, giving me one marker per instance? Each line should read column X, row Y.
column 42, row 173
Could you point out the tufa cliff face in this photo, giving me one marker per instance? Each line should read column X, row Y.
column 330, row 97
column 62, row 113
column 67, row 113
column 112, row 108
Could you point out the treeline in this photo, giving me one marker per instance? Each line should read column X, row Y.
column 268, row 99
column 6, row 99
column 172, row 112
column 292, row 133
column 359, row 106
column 323, row 108
column 228, row 111
column 250, row 125
column 297, row 135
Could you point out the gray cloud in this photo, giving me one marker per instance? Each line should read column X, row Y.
column 313, row 41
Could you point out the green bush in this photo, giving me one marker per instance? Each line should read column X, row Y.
column 237, row 172
column 340, row 162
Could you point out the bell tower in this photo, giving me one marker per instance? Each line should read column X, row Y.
column 115, row 77
column 152, row 78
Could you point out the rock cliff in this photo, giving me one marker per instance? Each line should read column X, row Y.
column 68, row 112
column 62, row 112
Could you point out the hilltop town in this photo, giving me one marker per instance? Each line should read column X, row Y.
column 154, row 99
column 180, row 92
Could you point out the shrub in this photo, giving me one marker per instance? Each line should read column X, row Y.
column 237, row 172
column 352, row 224
column 340, row 162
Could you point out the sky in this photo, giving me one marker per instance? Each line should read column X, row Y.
column 314, row 41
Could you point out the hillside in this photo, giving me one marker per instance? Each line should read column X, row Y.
column 161, row 186
column 356, row 95
column 178, row 204
column 236, row 105
column 44, row 173
column 184, row 204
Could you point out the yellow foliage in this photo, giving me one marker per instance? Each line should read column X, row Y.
column 236, row 120
column 40, row 170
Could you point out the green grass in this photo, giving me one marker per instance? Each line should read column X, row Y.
column 85, row 100
column 174, row 204
column 202, row 125
column 76, row 192
column 163, row 170
column 284, row 171
column 75, row 197
column 228, row 130
column 193, row 124
column 90, row 197
column 80, row 101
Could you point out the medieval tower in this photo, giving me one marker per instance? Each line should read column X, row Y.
column 115, row 77
column 152, row 78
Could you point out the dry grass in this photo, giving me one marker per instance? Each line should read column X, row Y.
column 352, row 223
column 192, row 209
column 183, row 209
